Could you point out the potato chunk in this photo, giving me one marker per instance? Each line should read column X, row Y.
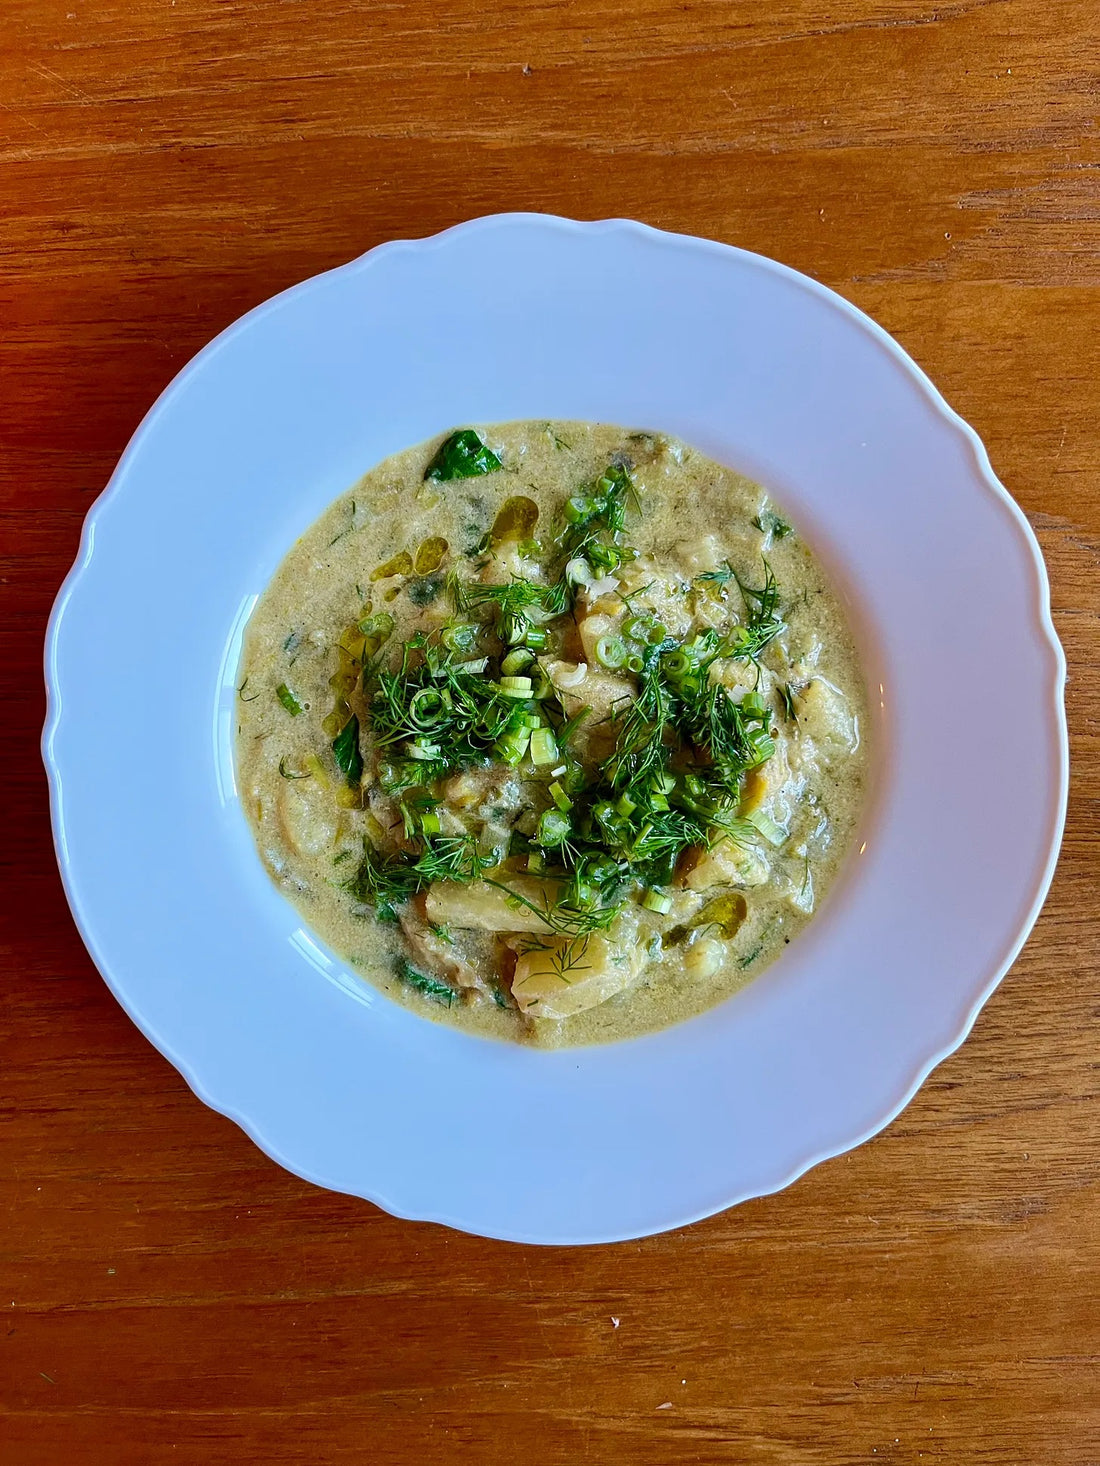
column 566, row 977
column 308, row 816
column 487, row 908
column 824, row 714
column 725, row 864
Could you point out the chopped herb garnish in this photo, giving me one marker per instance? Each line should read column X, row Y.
column 462, row 455
column 289, row 773
column 427, row 986
column 721, row 576
column 763, row 621
column 288, row 700
column 474, row 693
column 786, row 697
column 345, row 750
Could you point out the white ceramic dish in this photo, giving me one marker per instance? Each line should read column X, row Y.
column 520, row 316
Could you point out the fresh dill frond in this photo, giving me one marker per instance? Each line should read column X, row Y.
column 763, row 619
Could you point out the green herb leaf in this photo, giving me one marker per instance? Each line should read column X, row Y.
column 345, row 750
column 428, row 986
column 463, row 455
column 288, row 700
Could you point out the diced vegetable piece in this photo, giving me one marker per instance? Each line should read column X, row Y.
column 824, row 714
column 657, row 901
column 544, row 747
column 774, row 834
column 726, row 864
column 559, row 796
column 489, row 908
column 288, row 700
column 553, row 827
column 308, row 817
column 568, row 976
column 516, row 661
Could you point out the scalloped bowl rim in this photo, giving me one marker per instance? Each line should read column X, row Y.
column 1043, row 626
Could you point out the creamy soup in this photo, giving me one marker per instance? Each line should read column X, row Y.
column 554, row 731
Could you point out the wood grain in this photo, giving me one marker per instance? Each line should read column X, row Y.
column 169, row 1295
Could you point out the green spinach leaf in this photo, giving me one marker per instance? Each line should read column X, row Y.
column 463, row 455
column 345, row 750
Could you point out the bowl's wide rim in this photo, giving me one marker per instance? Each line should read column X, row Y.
column 1042, row 623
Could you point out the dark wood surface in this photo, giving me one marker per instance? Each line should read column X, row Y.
column 167, row 1294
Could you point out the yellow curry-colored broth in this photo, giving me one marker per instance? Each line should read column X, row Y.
column 361, row 557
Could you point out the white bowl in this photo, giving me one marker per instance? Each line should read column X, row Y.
column 520, row 316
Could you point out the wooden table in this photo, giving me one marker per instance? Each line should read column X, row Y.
column 169, row 1294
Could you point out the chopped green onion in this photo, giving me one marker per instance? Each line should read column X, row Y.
column 773, row 833
column 381, row 625
column 461, row 637
column 477, row 664
column 288, row 700
column 604, row 557
column 534, row 860
column 516, row 660
column 513, row 628
column 429, row 822
column 676, row 664
column 536, row 638
column 544, row 747
column 763, row 745
column 511, row 748
column 552, row 828
column 514, row 685
column 560, row 798
column 625, row 805
column 532, row 721
column 580, row 508
column 425, row 707
column 637, row 628
column 421, row 749
column 634, row 663
column 657, row 901
column 610, row 651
